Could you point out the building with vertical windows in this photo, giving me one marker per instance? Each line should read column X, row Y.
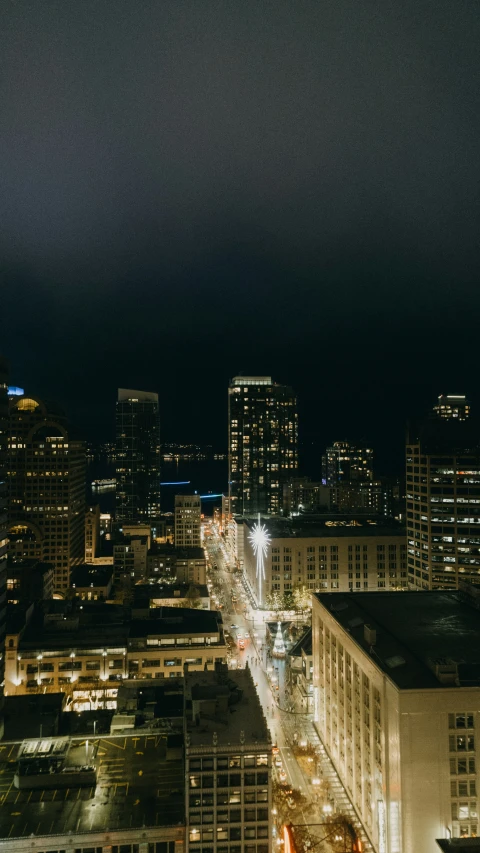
column 3, row 523
column 92, row 533
column 443, row 502
column 188, row 515
column 262, row 444
column 328, row 552
column 46, row 488
column 228, row 755
column 137, row 457
column 396, row 706
column 347, row 462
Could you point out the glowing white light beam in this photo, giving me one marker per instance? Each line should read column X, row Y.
column 260, row 540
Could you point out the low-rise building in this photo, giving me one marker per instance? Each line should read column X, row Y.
column 397, row 707
column 87, row 649
column 337, row 553
column 151, row 595
column 92, row 582
column 29, row 580
column 228, row 755
column 299, row 672
column 184, row 565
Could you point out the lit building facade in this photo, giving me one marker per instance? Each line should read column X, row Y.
column 3, row 522
column 188, row 521
column 452, row 406
column 263, row 444
column 89, row 648
column 443, row 503
column 347, row 462
column 228, row 754
column 137, row 456
column 46, row 488
column 397, row 709
column 334, row 555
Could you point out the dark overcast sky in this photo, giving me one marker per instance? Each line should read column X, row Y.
column 193, row 189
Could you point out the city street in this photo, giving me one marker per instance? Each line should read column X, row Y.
column 287, row 727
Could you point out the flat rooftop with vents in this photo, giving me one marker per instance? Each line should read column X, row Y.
column 136, row 786
column 419, row 639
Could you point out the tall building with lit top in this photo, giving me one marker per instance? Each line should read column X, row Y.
column 443, row 502
column 452, row 406
column 137, row 457
column 262, row 444
column 347, row 462
column 46, row 488
column 3, row 524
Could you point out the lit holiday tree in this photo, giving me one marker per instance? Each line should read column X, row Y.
column 279, row 646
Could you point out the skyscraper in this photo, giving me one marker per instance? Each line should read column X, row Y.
column 262, row 443
column 46, row 488
column 3, row 524
column 137, row 456
column 347, row 462
column 443, row 502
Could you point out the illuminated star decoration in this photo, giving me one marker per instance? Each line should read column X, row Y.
column 260, row 540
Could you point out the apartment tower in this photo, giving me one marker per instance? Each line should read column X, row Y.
column 262, row 444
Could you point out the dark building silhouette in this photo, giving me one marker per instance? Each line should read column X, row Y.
column 137, row 456
column 3, row 523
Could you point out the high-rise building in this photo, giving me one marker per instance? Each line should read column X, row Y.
column 228, row 756
column 46, row 488
column 188, row 521
column 347, row 462
column 137, row 456
column 3, row 524
column 395, row 687
column 443, row 502
column 262, row 444
column 452, row 406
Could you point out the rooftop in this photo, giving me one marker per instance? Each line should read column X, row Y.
column 136, row 787
column 330, row 525
column 422, row 639
column 93, row 623
column 168, row 590
column 92, row 575
column 224, row 703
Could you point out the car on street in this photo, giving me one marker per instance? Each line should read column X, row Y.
column 234, row 626
column 275, row 749
column 247, row 635
column 282, row 775
column 278, row 761
column 241, row 643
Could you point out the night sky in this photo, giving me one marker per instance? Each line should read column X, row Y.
column 196, row 189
